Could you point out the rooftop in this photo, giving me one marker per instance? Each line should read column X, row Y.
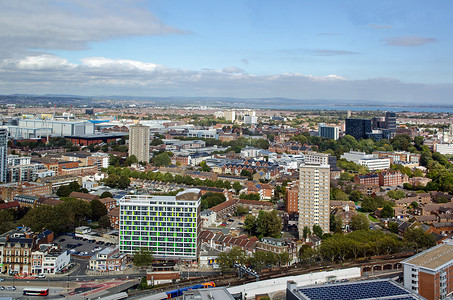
column 432, row 258
column 371, row 289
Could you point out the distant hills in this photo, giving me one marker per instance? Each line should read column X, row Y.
column 226, row 102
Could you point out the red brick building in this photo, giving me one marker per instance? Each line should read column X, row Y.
column 114, row 216
column 292, row 198
column 430, row 273
column 109, row 203
column 392, row 178
column 368, row 179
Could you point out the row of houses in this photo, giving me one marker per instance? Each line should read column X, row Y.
column 26, row 252
column 224, row 243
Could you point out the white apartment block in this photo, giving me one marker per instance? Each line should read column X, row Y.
column 316, row 158
column 168, row 226
column 139, row 142
column 314, row 197
column 375, row 163
column 367, row 160
column 444, row 148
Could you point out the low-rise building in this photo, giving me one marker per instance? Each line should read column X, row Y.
column 108, row 259
column 114, row 217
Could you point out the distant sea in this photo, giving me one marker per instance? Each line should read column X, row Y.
column 428, row 109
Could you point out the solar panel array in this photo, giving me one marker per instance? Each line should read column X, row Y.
column 357, row 291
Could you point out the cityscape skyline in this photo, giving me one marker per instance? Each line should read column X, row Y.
column 385, row 52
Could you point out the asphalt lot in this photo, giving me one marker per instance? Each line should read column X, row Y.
column 82, row 247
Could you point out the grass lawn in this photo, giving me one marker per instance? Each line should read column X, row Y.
column 373, row 219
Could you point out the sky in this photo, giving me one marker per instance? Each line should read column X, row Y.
column 392, row 52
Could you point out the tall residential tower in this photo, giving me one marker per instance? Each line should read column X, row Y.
column 314, row 197
column 3, row 150
column 139, row 142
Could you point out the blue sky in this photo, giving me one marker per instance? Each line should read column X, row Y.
column 389, row 51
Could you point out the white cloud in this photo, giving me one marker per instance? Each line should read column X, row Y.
column 71, row 25
column 39, row 62
column 104, row 76
column 408, row 41
column 376, row 26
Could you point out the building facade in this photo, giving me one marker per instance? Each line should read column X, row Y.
column 358, row 128
column 314, row 197
column 331, row 132
column 3, row 151
column 139, row 142
column 430, row 273
column 169, row 226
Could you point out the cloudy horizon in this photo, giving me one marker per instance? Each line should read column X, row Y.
column 354, row 50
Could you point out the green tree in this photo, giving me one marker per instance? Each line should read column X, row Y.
column 355, row 196
column 104, row 221
column 227, row 260
column 418, row 239
column 211, row 199
column 393, row 227
column 132, row 159
column 204, row 167
column 6, row 220
column 251, row 196
column 142, row 258
column 106, row 194
column 306, row 254
column 64, row 191
column 250, row 224
column 396, row 194
column 162, row 159
column 268, row 224
column 123, row 182
column 237, row 187
column 360, row 222
column 156, row 142
column 317, row 230
column 241, row 211
column 98, row 209
column 336, row 224
column 387, row 211
column 306, row 232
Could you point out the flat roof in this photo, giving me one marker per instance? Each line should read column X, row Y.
column 370, row 289
column 432, row 258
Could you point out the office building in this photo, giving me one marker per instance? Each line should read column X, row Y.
column 169, row 226
column 390, row 123
column 139, row 142
column 3, row 152
column 331, row 132
column 430, row 273
column 367, row 160
column 314, row 197
column 358, row 128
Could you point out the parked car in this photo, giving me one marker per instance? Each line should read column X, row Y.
column 2, row 288
column 42, row 275
column 2, row 279
column 10, row 288
column 62, row 240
